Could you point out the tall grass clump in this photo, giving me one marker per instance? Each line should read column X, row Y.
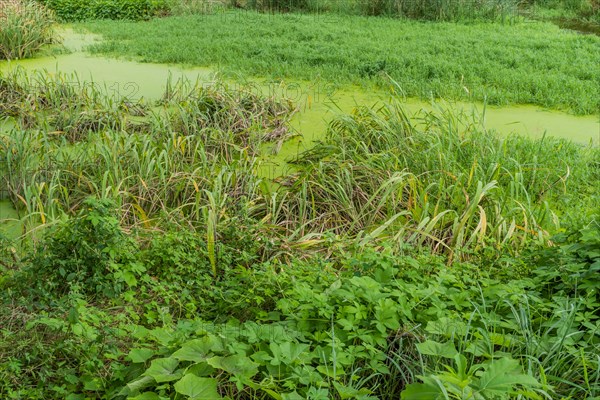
column 280, row 5
column 446, row 183
column 25, row 26
column 189, row 157
column 582, row 10
column 247, row 118
column 198, row 7
column 61, row 104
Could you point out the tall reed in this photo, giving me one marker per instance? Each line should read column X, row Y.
column 25, row 26
column 446, row 182
column 433, row 10
column 190, row 158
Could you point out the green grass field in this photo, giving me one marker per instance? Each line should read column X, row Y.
column 527, row 62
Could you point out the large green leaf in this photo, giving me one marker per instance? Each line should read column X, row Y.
column 198, row 388
column 198, row 349
column 501, row 376
column 237, row 365
column 140, row 383
column 162, row 370
column 201, row 369
column 287, row 352
column 432, row 348
column 420, row 391
column 386, row 315
column 140, row 355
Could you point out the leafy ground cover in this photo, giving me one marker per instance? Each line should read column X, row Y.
column 532, row 62
column 156, row 264
column 78, row 10
column 363, row 324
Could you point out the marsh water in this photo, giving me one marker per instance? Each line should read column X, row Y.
column 583, row 27
column 318, row 102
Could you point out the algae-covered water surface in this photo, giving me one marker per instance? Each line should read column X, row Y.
column 317, row 101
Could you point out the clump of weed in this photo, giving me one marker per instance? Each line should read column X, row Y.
column 446, row 184
column 88, row 253
column 25, row 26
column 79, row 10
column 213, row 111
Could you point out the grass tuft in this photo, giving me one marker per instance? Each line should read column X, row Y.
column 25, row 26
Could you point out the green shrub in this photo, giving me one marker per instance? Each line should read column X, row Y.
column 25, row 27
column 79, row 10
column 55, row 356
column 8, row 258
column 571, row 270
column 88, row 254
column 179, row 267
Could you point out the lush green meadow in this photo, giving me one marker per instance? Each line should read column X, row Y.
column 144, row 256
column 528, row 62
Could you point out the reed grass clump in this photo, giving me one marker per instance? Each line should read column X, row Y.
column 168, row 160
column 446, row 183
column 25, row 26
column 433, row 10
column 577, row 10
column 246, row 118
column 61, row 104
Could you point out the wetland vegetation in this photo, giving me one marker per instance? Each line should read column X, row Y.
column 24, row 29
column 145, row 254
column 499, row 63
